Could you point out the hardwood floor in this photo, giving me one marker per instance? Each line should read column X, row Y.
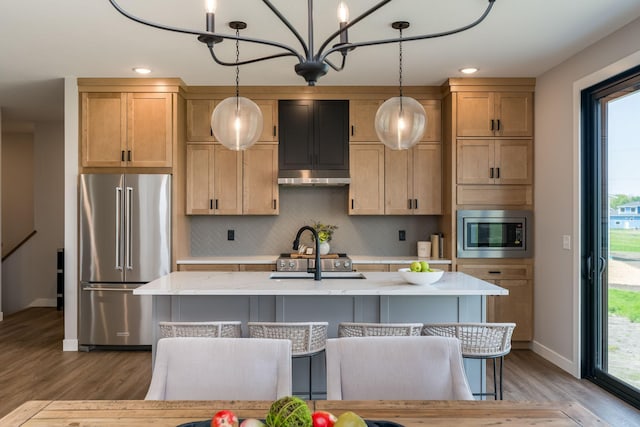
column 33, row 366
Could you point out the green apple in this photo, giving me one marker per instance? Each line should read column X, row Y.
column 424, row 266
column 415, row 266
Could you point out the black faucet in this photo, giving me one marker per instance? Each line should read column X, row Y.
column 296, row 243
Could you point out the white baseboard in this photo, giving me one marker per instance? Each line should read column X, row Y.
column 69, row 345
column 44, row 302
column 557, row 359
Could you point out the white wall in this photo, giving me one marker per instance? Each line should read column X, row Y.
column 71, row 138
column 557, row 190
column 29, row 274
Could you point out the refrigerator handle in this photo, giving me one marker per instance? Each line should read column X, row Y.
column 127, row 229
column 118, row 257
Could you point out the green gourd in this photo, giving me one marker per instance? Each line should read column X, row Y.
column 289, row 412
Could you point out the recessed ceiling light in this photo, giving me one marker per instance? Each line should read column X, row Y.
column 468, row 70
column 142, row 70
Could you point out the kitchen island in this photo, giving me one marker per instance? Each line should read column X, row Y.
column 378, row 297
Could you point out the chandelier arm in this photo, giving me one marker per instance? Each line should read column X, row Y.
column 404, row 39
column 248, row 61
column 289, row 26
column 344, row 60
column 349, row 25
column 292, row 51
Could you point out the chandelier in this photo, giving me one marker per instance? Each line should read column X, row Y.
column 312, row 64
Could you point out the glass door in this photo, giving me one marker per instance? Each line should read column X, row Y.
column 611, row 234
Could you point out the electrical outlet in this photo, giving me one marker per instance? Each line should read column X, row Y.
column 566, row 242
column 231, row 234
column 402, row 235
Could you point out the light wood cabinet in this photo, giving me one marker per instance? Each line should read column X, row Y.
column 214, row 180
column 127, row 129
column 199, row 113
column 362, row 114
column 366, row 190
column 260, row 180
column 433, row 131
column 413, row 180
column 487, row 161
column 226, row 182
column 503, row 114
column 516, row 307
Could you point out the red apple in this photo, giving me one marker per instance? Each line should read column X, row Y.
column 224, row 418
column 323, row 419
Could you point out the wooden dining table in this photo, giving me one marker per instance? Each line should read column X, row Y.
column 414, row 413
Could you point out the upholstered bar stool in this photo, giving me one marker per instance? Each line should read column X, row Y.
column 479, row 341
column 307, row 338
column 221, row 329
column 350, row 329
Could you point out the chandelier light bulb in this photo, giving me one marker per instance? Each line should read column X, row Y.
column 237, row 123
column 343, row 12
column 400, row 127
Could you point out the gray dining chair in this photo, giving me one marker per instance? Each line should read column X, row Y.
column 221, row 369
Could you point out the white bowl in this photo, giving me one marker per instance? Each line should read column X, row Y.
column 421, row 278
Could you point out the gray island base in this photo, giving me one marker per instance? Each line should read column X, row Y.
column 379, row 297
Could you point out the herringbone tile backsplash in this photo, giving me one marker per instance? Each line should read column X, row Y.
column 272, row 235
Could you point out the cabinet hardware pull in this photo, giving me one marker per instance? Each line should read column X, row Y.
column 497, row 172
column 498, row 124
column 352, row 204
column 492, row 124
column 216, row 204
column 490, row 172
column 415, row 203
column 353, row 130
column 274, row 130
column 128, row 155
column 122, row 156
column 495, row 272
column 274, row 203
column 410, row 205
column 210, row 204
column 211, row 131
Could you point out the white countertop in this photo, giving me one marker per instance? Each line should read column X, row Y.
column 271, row 259
column 259, row 283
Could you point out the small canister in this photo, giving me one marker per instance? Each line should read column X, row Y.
column 424, row 250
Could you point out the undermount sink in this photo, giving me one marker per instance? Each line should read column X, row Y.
column 324, row 275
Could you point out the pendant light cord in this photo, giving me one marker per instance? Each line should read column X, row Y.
column 400, row 68
column 237, row 68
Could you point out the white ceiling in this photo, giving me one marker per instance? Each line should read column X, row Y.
column 43, row 41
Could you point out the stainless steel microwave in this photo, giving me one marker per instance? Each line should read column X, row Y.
column 495, row 234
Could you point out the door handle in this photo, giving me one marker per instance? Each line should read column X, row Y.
column 118, row 265
column 353, row 130
column 127, row 229
column 498, row 123
column 490, row 172
column 497, row 173
column 410, row 204
column 415, row 203
column 492, row 124
column 94, row 288
column 352, row 204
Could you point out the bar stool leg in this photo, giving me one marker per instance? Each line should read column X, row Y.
column 495, row 383
column 310, row 377
column 501, row 363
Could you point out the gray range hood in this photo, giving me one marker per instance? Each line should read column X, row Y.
column 314, row 177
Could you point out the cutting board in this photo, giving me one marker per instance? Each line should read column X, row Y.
column 297, row 255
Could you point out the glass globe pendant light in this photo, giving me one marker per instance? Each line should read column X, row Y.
column 400, row 121
column 237, row 121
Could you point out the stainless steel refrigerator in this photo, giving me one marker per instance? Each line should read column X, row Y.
column 125, row 241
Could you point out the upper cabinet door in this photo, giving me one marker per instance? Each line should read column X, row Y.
column 149, row 129
column 200, row 179
column 296, row 134
column 398, row 180
column 260, row 180
column 362, row 114
column 427, row 179
column 475, row 114
column 227, row 187
column 269, row 109
column 199, row 113
column 476, row 161
column 433, row 131
column 514, row 160
column 366, row 191
column 331, row 135
column 514, row 112
column 104, row 129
